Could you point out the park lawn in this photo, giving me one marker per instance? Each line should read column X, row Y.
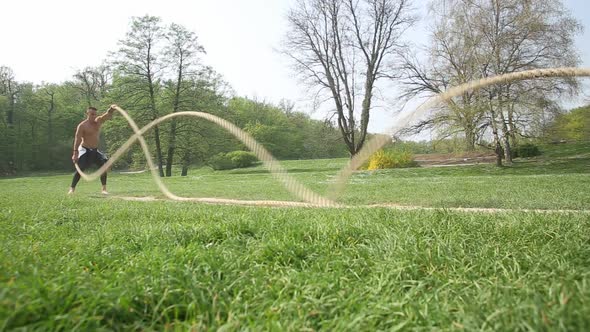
column 547, row 182
column 90, row 262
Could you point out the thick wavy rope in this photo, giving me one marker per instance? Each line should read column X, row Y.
column 310, row 198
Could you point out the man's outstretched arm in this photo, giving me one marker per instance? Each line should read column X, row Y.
column 108, row 115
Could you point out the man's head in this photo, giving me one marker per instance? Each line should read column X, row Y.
column 91, row 113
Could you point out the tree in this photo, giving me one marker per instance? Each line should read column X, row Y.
column 8, row 88
column 48, row 92
column 482, row 38
column 523, row 35
column 453, row 61
column 93, row 83
column 573, row 126
column 198, row 139
column 182, row 52
column 139, row 66
column 343, row 48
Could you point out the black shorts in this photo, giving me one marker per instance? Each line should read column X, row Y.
column 88, row 156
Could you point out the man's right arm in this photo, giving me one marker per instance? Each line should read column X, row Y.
column 77, row 142
column 108, row 115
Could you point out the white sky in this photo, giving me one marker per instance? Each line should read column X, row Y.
column 47, row 41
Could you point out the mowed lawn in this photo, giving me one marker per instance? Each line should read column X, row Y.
column 90, row 262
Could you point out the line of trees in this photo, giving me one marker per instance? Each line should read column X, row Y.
column 473, row 39
column 155, row 71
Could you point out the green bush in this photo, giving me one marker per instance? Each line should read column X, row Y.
column 220, row 162
column 391, row 159
column 525, row 151
column 242, row 159
column 235, row 159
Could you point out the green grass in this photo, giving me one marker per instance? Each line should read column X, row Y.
column 92, row 263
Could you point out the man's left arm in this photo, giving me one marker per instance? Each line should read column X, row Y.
column 108, row 115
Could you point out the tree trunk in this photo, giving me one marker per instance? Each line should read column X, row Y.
column 18, row 152
column 172, row 136
column 469, row 138
column 499, row 153
column 34, row 145
column 507, row 150
column 498, row 146
column 366, row 107
column 50, row 111
column 158, row 150
column 12, row 134
column 49, row 130
column 511, row 125
column 171, row 147
column 156, row 128
column 11, row 107
column 186, row 160
column 506, row 136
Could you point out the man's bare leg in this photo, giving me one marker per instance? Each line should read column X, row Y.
column 103, row 181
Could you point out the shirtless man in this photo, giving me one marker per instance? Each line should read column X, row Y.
column 86, row 145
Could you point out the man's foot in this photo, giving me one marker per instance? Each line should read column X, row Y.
column 104, row 192
column 71, row 191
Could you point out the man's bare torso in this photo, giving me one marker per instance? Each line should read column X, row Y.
column 90, row 132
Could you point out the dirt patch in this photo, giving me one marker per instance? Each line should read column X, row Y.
column 449, row 159
column 222, row 201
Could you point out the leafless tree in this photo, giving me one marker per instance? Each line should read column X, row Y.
column 342, row 48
